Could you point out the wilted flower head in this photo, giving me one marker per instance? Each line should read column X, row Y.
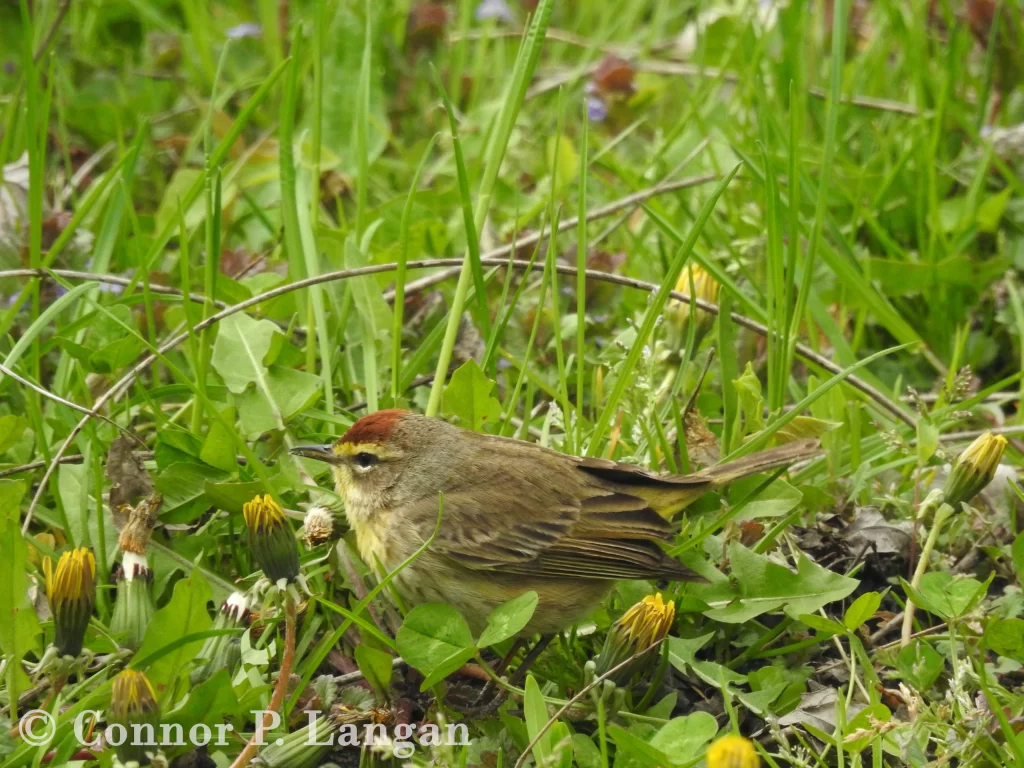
column 640, row 628
column 133, row 702
column 71, row 592
column 732, row 752
column 974, row 469
column 134, row 607
column 235, row 608
column 271, row 539
column 318, row 526
column 223, row 651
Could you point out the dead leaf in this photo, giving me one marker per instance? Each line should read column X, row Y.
column 614, row 75
column 128, row 479
column 872, row 531
column 818, row 708
column 141, row 520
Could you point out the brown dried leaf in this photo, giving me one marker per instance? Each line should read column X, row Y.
column 614, row 75
column 128, row 479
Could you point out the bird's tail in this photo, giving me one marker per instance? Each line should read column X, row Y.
column 762, row 461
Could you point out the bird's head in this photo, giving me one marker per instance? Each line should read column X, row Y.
column 386, row 453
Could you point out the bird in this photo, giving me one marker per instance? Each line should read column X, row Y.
column 514, row 516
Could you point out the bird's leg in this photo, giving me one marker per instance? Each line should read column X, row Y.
column 499, row 670
column 535, row 652
column 503, row 664
column 482, row 708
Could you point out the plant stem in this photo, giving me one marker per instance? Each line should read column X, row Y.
column 941, row 514
column 281, row 689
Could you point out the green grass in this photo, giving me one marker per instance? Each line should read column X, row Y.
column 400, row 211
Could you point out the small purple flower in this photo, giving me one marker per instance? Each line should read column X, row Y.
column 246, row 29
column 495, row 9
column 115, row 289
column 597, row 110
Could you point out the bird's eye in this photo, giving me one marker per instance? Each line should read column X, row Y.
column 365, row 460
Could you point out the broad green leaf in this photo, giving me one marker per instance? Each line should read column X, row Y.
column 585, row 751
column 683, row 738
column 182, row 485
column 219, row 446
column 11, row 429
column 447, row 667
column 778, row 499
column 1006, row 637
column 683, row 651
column 211, row 701
column 920, row 665
column 231, row 496
column 682, row 656
column 760, row 701
column 110, row 346
column 561, row 746
column 436, row 640
column 748, row 390
column 927, row 440
column 716, row 674
column 185, row 614
column 804, row 428
column 18, row 624
column 635, row 751
column 947, row 596
column 821, row 624
column 115, row 355
column 535, row 712
column 990, row 212
column 468, row 398
column 375, row 665
column 863, row 608
column 568, row 162
column 240, row 352
column 759, row 585
column 287, row 393
column 508, row 619
column 72, row 480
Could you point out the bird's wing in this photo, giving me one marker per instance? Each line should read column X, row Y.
column 538, row 526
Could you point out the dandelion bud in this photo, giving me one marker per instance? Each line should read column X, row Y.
column 732, row 752
column 640, row 628
column 705, row 287
column 319, row 526
column 271, row 539
column 133, row 608
column 133, row 705
column 974, row 469
column 71, row 592
column 307, row 747
column 223, row 650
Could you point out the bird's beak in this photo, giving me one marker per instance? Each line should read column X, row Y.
column 318, row 452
